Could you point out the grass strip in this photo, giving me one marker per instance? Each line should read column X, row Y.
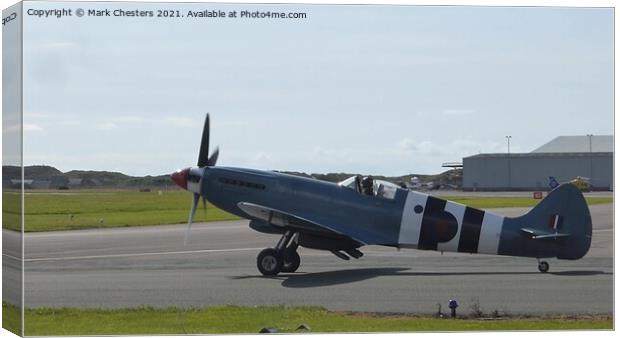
column 513, row 202
column 11, row 318
column 248, row 319
column 52, row 210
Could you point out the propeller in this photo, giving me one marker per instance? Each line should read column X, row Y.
column 203, row 153
column 213, row 158
column 191, row 217
column 204, row 161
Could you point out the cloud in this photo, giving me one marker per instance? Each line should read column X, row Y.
column 457, row 112
column 431, row 148
column 407, row 144
column 32, row 127
column 261, row 157
column 455, row 148
column 12, row 128
column 181, row 122
column 107, row 126
column 33, row 115
column 27, row 128
column 72, row 122
column 129, row 119
column 51, row 45
column 421, row 147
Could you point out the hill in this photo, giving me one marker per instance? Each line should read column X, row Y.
column 49, row 177
column 52, row 178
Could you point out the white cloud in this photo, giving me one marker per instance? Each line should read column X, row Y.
column 50, row 45
column 181, row 122
column 407, row 144
column 129, row 119
column 33, row 115
column 27, row 127
column 107, row 126
column 421, row 147
column 456, row 148
column 12, row 128
column 71, row 122
column 32, row 127
column 457, row 112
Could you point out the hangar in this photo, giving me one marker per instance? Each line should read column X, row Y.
column 564, row 158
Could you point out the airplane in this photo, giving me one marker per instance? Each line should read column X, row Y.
column 343, row 217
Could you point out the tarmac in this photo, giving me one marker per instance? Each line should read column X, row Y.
column 150, row 266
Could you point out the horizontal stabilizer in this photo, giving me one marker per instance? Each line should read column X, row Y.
column 537, row 234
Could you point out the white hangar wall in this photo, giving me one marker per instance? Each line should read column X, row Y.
column 531, row 171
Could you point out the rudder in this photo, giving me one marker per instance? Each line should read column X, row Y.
column 560, row 225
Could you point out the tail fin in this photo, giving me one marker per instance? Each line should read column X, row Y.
column 553, row 183
column 560, row 225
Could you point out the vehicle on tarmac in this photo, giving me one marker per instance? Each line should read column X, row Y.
column 343, row 217
column 582, row 183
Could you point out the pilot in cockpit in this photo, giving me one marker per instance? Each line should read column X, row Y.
column 367, row 186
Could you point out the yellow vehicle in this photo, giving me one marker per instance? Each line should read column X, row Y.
column 582, row 183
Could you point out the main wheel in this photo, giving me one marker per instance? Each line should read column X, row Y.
column 269, row 262
column 543, row 266
column 291, row 261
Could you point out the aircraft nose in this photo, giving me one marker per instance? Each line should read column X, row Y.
column 180, row 177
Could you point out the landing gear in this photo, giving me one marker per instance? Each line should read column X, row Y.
column 282, row 258
column 269, row 262
column 291, row 261
column 543, row 266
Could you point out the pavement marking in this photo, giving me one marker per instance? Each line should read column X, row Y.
column 42, row 259
column 161, row 253
column 136, row 230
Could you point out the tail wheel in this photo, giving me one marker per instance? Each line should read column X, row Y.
column 543, row 266
column 269, row 262
column 291, row 261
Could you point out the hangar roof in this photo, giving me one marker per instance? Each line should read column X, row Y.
column 577, row 144
column 538, row 155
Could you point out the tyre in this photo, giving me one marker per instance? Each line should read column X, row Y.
column 543, row 266
column 269, row 262
column 291, row 261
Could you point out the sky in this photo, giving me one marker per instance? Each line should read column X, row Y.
column 385, row 90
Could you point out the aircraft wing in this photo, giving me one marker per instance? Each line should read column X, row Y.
column 538, row 234
column 278, row 218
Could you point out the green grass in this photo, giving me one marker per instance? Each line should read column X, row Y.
column 11, row 206
column 246, row 319
column 11, row 318
column 96, row 208
column 510, row 202
column 81, row 209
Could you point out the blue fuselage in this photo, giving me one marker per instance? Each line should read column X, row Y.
column 329, row 203
column 560, row 226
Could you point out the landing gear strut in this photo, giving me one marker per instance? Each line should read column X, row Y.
column 543, row 266
column 282, row 258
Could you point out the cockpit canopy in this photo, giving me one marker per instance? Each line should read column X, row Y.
column 380, row 188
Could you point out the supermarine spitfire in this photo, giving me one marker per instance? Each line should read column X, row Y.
column 343, row 217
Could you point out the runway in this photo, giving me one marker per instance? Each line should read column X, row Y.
column 126, row 267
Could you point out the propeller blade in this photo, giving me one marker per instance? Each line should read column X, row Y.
column 203, row 155
column 191, row 216
column 213, row 158
column 204, row 207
